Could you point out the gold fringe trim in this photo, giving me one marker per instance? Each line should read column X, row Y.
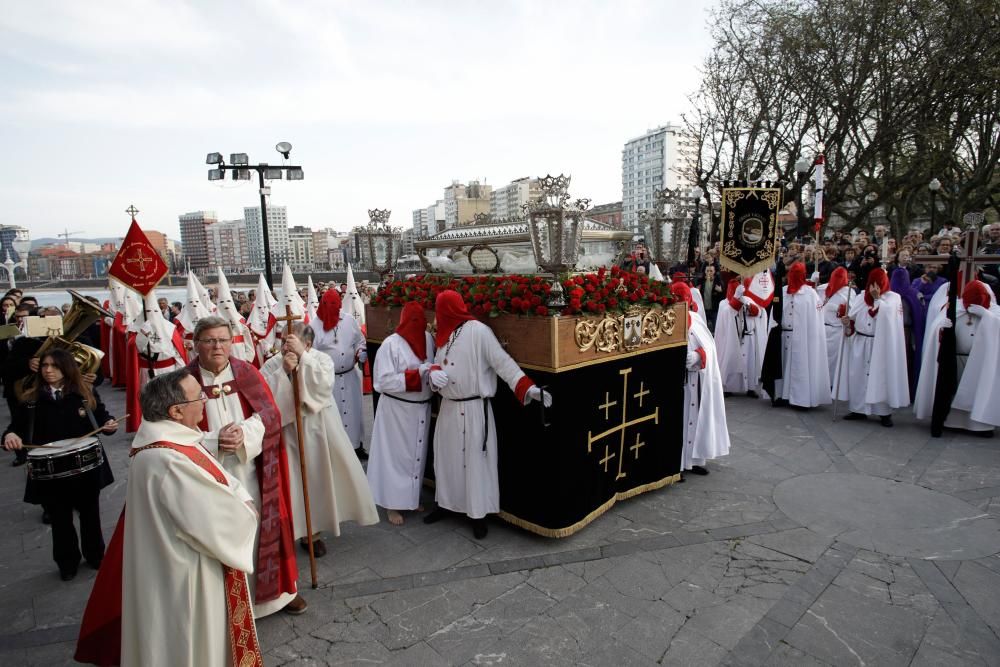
column 582, row 523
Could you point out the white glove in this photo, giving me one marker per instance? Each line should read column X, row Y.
column 424, row 367
column 439, row 379
column 693, row 361
column 537, row 394
column 814, row 278
column 740, row 291
column 947, row 324
column 362, row 355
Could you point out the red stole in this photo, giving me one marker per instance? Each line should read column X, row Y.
column 118, row 350
column 276, row 570
column 100, row 640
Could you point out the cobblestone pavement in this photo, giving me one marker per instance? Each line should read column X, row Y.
column 815, row 542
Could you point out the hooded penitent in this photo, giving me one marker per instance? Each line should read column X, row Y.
column 731, row 288
column 838, row 281
column 796, row 277
column 976, row 294
column 876, row 277
column 413, row 327
column 450, row 312
column 290, row 299
column 329, row 309
column 312, row 301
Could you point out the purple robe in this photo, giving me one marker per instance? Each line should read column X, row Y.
column 900, row 284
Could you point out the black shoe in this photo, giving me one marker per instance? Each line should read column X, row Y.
column 779, row 403
column 479, row 528
column 438, row 514
column 698, row 470
column 855, row 416
column 46, row 519
column 752, row 394
column 362, row 454
column 727, row 394
column 67, row 573
column 886, row 420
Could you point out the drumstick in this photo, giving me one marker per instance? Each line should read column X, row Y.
column 79, row 437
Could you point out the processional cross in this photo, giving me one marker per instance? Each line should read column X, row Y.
column 969, row 264
column 296, row 393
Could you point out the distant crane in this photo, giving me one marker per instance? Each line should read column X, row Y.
column 66, row 234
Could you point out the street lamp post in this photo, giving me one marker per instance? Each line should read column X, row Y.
column 933, row 186
column 802, row 166
column 240, row 166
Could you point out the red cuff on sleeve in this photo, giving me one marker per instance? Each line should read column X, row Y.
column 704, row 357
column 850, row 328
column 842, row 310
column 436, row 367
column 413, row 382
column 754, row 310
column 523, row 385
column 872, row 312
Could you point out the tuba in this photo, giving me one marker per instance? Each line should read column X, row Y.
column 81, row 315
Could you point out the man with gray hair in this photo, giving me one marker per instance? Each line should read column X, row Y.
column 242, row 428
column 183, row 546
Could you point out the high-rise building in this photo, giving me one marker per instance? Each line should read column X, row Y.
column 506, row 202
column 300, row 249
column 228, row 248
column 15, row 243
column 194, row 238
column 321, row 244
column 420, row 226
column 435, row 218
column 463, row 202
column 660, row 158
column 277, row 236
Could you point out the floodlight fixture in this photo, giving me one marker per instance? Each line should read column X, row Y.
column 216, row 174
column 241, row 174
column 284, row 148
column 214, row 158
column 697, row 193
column 802, row 166
column 273, row 173
column 295, row 174
column 239, row 158
column 934, row 185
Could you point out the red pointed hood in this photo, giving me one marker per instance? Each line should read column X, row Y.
column 734, row 303
column 683, row 292
column 329, row 309
column 876, row 277
column 450, row 311
column 976, row 294
column 838, row 281
column 796, row 277
column 412, row 327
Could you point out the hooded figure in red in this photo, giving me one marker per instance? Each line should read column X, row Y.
column 329, row 309
column 796, row 277
column 876, row 277
column 731, row 288
column 838, row 281
column 412, row 327
column 450, row 311
column 683, row 292
column 976, row 294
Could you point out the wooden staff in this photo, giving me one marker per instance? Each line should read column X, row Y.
column 289, row 318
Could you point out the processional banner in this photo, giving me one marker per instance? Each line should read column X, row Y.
column 749, row 234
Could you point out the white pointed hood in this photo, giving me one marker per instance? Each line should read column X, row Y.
column 655, row 273
column 226, row 307
column 289, row 297
column 193, row 309
column 353, row 303
column 156, row 331
column 312, row 301
column 117, row 300
column 206, row 298
column 133, row 310
column 261, row 320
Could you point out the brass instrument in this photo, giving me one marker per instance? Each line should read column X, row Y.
column 81, row 315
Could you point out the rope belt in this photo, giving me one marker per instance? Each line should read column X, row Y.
column 789, row 330
column 344, row 372
column 865, row 335
column 834, row 325
column 486, row 412
column 407, row 400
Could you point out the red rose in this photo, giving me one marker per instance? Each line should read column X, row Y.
column 578, row 280
column 515, row 303
column 574, row 303
column 591, row 306
column 541, row 310
column 589, row 287
column 601, row 308
column 612, row 302
column 525, row 306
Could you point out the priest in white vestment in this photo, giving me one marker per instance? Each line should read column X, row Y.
column 873, row 378
column 338, row 488
column 740, row 339
column 339, row 336
column 467, row 362
column 976, row 405
column 837, row 296
column 182, row 528
column 403, row 419
column 805, row 379
column 706, row 432
column 235, row 435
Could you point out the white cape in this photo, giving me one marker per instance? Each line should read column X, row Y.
column 704, row 404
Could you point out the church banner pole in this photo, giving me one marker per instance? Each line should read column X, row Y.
column 840, row 357
column 296, row 394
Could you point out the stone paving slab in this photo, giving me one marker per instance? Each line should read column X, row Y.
column 713, row 571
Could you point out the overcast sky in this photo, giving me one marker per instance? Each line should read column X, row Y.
column 110, row 103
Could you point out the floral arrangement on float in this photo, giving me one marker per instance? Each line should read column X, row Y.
column 606, row 291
